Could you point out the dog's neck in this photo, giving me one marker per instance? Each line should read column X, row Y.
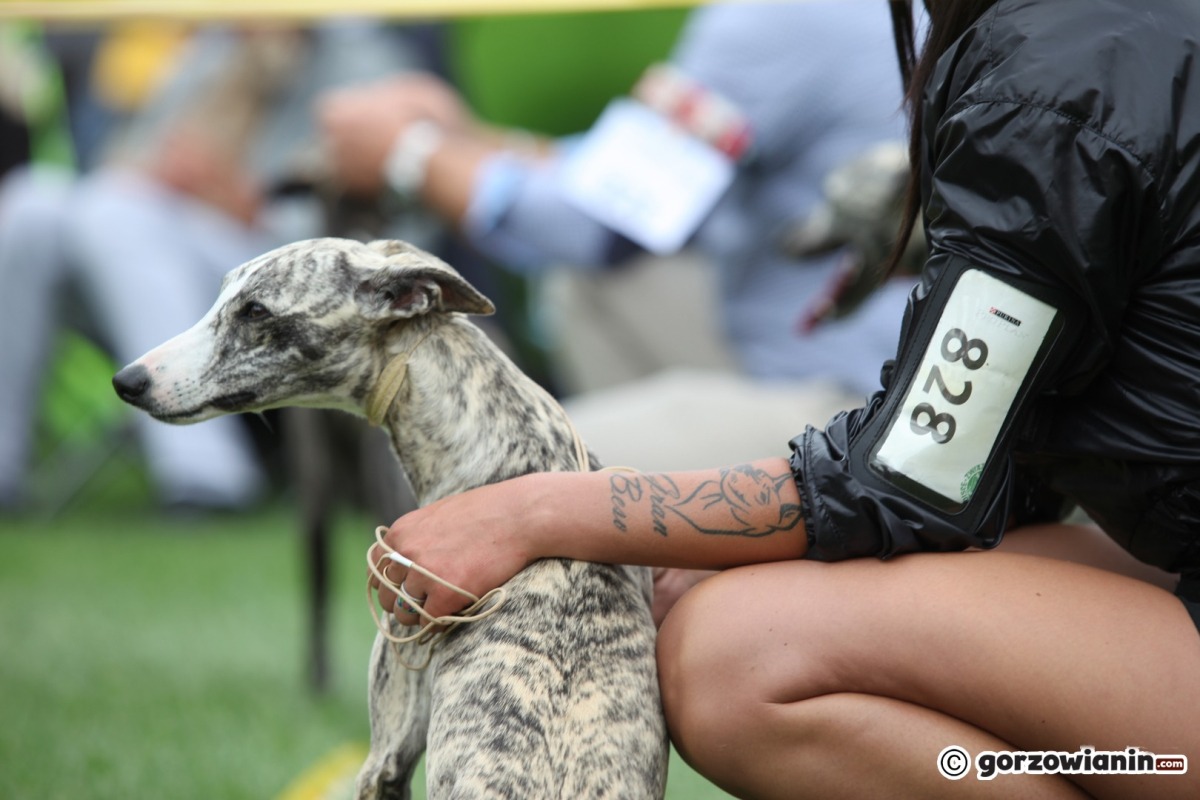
column 465, row 415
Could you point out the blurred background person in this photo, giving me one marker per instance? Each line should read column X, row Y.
column 184, row 190
column 36, row 160
column 774, row 96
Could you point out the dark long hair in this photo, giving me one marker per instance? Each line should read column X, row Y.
column 948, row 20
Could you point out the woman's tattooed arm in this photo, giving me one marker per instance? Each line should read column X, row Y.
column 745, row 501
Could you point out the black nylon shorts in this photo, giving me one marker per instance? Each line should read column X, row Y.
column 1193, row 608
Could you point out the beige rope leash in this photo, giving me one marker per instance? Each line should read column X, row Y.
column 390, row 382
column 384, row 392
column 480, row 608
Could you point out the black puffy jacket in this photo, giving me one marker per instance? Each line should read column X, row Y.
column 1062, row 162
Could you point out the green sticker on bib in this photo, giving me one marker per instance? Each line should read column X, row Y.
column 970, row 481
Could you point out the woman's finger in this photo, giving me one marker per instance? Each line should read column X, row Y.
column 384, row 576
column 376, row 561
column 404, row 608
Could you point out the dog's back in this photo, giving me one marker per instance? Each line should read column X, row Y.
column 555, row 695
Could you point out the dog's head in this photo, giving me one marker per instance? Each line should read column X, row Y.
column 299, row 325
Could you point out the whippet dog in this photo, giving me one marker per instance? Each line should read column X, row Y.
column 556, row 694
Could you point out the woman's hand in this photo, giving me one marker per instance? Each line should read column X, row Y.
column 477, row 541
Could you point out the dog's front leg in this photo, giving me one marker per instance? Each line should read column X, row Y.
column 399, row 709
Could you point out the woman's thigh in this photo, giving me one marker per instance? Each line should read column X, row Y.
column 1037, row 652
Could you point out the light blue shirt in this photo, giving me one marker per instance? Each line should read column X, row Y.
column 819, row 84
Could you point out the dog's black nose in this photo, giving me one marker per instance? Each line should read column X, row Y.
column 131, row 383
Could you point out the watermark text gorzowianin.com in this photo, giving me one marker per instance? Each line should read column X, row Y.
column 955, row 763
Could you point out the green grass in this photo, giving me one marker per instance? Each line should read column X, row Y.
column 143, row 657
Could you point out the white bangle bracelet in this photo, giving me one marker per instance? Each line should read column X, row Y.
column 408, row 160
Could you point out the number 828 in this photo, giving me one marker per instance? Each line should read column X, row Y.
column 956, row 346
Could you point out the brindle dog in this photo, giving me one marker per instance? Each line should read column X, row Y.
column 553, row 696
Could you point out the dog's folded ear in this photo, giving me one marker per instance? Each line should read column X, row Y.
column 411, row 282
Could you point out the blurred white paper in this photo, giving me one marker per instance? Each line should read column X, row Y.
column 645, row 177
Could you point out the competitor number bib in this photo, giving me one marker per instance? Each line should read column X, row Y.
column 981, row 351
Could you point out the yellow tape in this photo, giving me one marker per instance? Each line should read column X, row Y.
column 331, row 777
column 107, row 10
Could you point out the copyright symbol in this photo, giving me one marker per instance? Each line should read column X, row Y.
column 953, row 762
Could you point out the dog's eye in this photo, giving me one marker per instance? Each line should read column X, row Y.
column 254, row 310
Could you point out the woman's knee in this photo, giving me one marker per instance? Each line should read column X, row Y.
column 723, row 653
column 694, row 659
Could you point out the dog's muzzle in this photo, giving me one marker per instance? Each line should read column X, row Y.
column 134, row 383
column 131, row 384
column 237, row 401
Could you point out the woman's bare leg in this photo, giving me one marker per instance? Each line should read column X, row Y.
column 800, row 678
column 1084, row 544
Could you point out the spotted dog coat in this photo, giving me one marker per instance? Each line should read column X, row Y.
column 553, row 696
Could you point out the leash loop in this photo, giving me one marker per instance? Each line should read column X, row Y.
column 434, row 628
